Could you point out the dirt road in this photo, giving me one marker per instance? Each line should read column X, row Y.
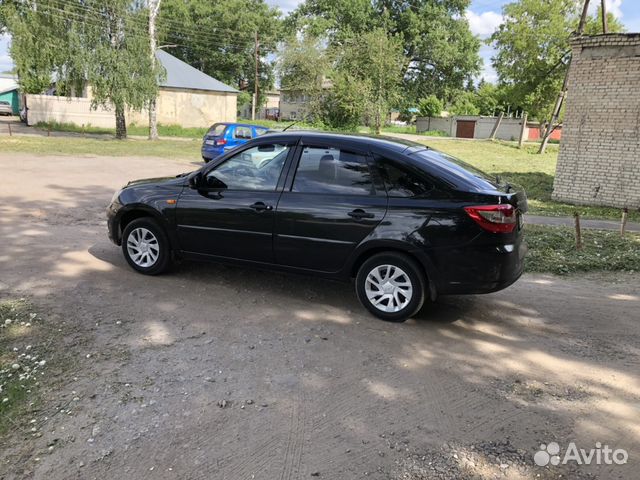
column 214, row 372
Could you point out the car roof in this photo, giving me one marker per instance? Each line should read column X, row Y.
column 229, row 124
column 356, row 140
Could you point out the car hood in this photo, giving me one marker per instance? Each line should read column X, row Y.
column 159, row 181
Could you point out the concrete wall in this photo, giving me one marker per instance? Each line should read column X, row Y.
column 187, row 108
column 47, row 108
column 509, row 127
column 599, row 160
column 444, row 124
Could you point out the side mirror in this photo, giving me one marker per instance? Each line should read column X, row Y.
column 195, row 180
column 214, row 183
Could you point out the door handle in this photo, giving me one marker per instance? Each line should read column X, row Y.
column 261, row 207
column 358, row 214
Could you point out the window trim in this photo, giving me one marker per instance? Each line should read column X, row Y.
column 293, row 170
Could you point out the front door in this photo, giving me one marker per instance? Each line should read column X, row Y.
column 329, row 207
column 232, row 213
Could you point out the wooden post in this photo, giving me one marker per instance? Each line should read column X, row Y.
column 83, row 129
column 10, row 133
column 623, row 223
column 583, row 17
column 49, row 129
column 496, row 126
column 576, row 216
column 605, row 23
column 523, row 130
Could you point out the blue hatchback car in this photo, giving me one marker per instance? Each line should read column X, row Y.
column 222, row 137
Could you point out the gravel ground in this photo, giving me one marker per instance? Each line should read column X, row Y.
column 214, row 372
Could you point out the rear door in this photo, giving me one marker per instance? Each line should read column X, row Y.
column 331, row 202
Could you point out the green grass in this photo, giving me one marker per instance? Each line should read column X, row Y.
column 133, row 129
column 553, row 249
column 178, row 149
column 411, row 129
column 526, row 168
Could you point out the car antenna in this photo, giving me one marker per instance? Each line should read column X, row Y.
column 288, row 126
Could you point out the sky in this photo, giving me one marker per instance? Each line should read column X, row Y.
column 483, row 16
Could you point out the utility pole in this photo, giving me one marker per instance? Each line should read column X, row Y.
column 605, row 24
column 254, row 104
column 563, row 92
column 154, row 8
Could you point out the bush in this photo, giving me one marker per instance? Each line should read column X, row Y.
column 430, row 106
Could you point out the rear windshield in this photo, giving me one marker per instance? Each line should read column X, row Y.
column 217, row 129
column 457, row 167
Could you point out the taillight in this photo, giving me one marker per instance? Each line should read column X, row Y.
column 494, row 218
column 221, row 141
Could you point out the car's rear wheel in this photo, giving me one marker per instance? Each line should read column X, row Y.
column 146, row 247
column 205, row 159
column 391, row 286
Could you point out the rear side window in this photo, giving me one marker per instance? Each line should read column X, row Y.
column 400, row 181
column 333, row 171
column 243, row 133
column 217, row 129
column 261, row 131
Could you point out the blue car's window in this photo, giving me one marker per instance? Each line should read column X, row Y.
column 243, row 133
column 217, row 129
column 261, row 131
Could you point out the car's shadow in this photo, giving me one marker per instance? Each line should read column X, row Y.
column 267, row 283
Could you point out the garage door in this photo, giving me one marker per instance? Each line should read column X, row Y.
column 465, row 128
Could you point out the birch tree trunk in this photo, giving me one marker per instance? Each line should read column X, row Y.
column 154, row 7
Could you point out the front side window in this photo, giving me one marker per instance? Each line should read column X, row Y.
column 257, row 168
column 334, row 171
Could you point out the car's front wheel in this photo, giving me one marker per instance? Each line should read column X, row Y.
column 391, row 286
column 146, row 247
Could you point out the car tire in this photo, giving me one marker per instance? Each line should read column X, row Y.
column 146, row 247
column 206, row 160
column 392, row 286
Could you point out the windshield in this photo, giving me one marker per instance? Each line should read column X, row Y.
column 217, row 129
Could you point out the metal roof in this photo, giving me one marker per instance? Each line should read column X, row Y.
column 182, row 75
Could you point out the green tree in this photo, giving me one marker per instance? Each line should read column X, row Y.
column 464, row 104
column 442, row 52
column 374, row 64
column 78, row 43
column 303, row 67
column 117, row 58
column 533, row 50
column 218, row 38
column 430, row 106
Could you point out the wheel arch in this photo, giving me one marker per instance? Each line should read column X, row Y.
column 421, row 258
column 138, row 211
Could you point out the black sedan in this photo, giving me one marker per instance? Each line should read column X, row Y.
column 406, row 222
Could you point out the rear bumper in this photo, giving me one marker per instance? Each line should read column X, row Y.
column 481, row 269
column 210, row 152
